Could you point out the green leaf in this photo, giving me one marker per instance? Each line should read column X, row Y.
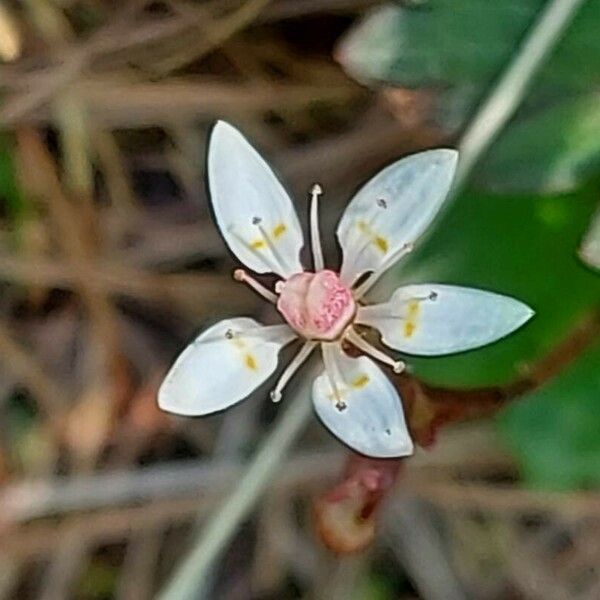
column 554, row 431
column 521, row 246
column 551, row 151
column 465, row 43
column 10, row 195
column 457, row 48
column 590, row 247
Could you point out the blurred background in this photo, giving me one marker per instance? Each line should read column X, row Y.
column 110, row 264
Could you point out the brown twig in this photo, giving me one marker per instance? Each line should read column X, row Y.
column 193, row 293
column 22, row 363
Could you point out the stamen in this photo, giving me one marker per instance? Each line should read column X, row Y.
column 251, row 248
column 241, row 275
column 332, row 372
column 397, row 365
column 315, row 236
column 291, row 369
column 282, row 264
column 280, row 334
column 370, row 281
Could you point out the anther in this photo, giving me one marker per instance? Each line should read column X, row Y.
column 381, row 203
column 229, row 334
column 256, row 220
column 399, row 367
column 341, row 406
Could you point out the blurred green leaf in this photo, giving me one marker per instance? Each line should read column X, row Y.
column 590, row 248
column 551, row 151
column 521, row 246
column 456, row 43
column 373, row 586
column 9, row 191
column 554, row 431
column 456, row 49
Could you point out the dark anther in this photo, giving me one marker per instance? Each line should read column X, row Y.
column 256, row 220
column 341, row 406
column 433, row 295
column 229, row 334
column 381, row 203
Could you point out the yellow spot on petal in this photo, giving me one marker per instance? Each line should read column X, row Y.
column 360, row 381
column 377, row 240
column 257, row 244
column 410, row 324
column 382, row 244
column 279, row 230
column 251, row 362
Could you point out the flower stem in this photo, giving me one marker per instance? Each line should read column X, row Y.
column 192, row 576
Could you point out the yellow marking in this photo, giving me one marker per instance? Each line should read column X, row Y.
column 382, row 244
column 279, row 230
column 410, row 324
column 251, row 362
column 361, row 381
column 377, row 240
column 409, row 329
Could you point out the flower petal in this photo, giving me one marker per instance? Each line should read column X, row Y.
column 222, row 366
column 253, row 211
column 361, row 407
column 430, row 319
column 393, row 209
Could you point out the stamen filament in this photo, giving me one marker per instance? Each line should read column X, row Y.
column 315, row 236
column 391, row 309
column 242, row 276
column 249, row 246
column 370, row 281
column 291, row 369
column 276, row 255
column 281, row 334
column 362, row 344
column 332, row 372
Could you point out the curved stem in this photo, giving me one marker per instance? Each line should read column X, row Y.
column 191, row 577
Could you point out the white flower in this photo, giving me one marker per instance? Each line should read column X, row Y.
column 352, row 396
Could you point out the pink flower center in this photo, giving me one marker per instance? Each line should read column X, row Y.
column 317, row 305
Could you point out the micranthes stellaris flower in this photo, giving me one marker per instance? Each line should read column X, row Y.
column 323, row 308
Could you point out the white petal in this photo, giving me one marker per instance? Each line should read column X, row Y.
column 372, row 421
column 250, row 203
column 222, row 366
column 393, row 209
column 430, row 319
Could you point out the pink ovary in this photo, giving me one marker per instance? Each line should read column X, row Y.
column 317, row 305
